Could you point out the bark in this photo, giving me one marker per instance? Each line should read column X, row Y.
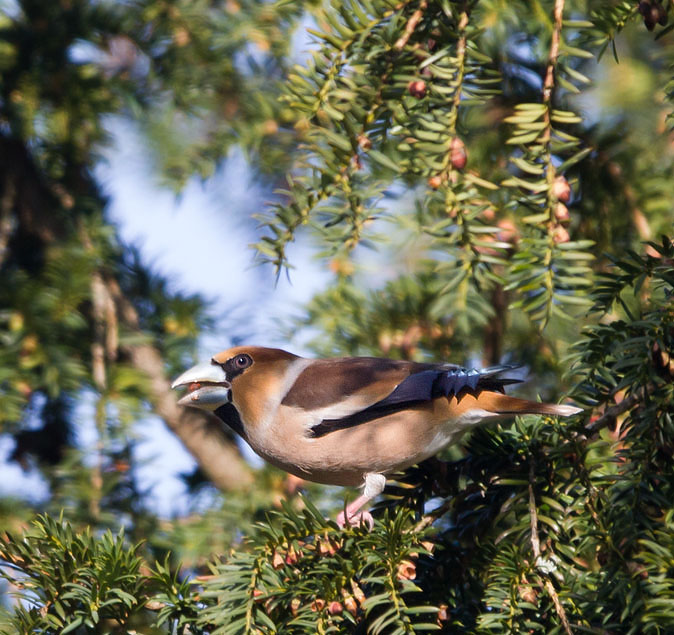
column 33, row 201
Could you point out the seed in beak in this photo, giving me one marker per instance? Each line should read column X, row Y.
column 193, row 386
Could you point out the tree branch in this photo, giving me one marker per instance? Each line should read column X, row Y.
column 410, row 26
column 613, row 412
column 548, row 90
column 549, row 81
column 34, row 203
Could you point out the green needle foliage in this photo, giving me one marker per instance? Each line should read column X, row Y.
column 68, row 580
column 483, row 181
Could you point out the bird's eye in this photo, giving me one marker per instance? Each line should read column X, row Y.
column 242, row 361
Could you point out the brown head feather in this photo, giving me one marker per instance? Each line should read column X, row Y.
column 260, row 354
column 255, row 387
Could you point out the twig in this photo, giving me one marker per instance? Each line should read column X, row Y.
column 548, row 89
column 99, row 372
column 545, row 139
column 495, row 328
column 533, row 516
column 549, row 82
column 461, row 55
column 536, row 548
column 410, row 26
column 639, row 220
column 613, row 412
column 111, row 328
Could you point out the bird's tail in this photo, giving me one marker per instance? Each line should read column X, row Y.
column 506, row 405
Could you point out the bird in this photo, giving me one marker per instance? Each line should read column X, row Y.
column 350, row 421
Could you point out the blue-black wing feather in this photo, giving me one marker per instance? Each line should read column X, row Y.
column 425, row 385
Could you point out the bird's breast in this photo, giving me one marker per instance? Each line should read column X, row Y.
column 342, row 457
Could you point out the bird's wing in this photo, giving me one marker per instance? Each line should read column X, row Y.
column 446, row 381
column 344, row 386
column 353, row 391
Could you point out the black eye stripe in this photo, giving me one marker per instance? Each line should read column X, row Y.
column 235, row 365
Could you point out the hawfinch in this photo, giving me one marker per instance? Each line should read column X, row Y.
column 352, row 420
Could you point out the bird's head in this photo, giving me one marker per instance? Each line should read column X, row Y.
column 239, row 375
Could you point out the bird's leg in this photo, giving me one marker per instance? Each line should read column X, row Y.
column 350, row 516
column 374, row 485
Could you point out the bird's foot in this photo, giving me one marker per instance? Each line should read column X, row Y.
column 357, row 519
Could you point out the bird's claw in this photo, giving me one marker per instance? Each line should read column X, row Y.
column 355, row 520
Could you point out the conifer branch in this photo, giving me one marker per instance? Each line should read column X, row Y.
column 428, row 519
column 410, row 26
column 549, row 81
column 550, row 169
column 548, row 91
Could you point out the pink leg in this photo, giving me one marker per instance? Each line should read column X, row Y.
column 374, row 485
column 350, row 515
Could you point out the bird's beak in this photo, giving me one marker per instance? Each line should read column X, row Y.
column 207, row 384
